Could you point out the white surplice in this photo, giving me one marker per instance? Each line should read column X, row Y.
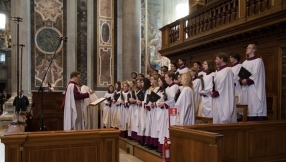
column 124, row 110
column 153, row 119
column 106, row 117
column 237, row 88
column 256, row 92
column 183, row 70
column 186, row 106
column 197, row 96
column 224, row 108
column 162, row 120
column 73, row 114
column 115, row 112
column 171, row 91
column 206, row 96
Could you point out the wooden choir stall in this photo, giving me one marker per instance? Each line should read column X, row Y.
column 25, row 143
column 239, row 142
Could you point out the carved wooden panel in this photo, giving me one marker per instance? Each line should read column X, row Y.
column 65, row 146
column 283, row 81
column 271, row 69
column 53, row 114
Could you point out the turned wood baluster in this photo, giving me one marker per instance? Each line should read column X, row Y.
column 206, row 21
column 218, row 17
column 170, row 36
column 252, row 7
column 228, row 13
column 234, row 10
column 178, row 32
column 186, row 30
column 202, row 23
column 263, row 5
column 197, row 24
column 214, row 19
column 223, row 14
column 258, row 6
column 268, row 4
column 190, row 27
column 209, row 21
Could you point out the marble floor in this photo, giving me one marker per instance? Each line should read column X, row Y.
column 123, row 156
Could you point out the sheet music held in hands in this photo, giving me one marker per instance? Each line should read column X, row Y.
column 98, row 101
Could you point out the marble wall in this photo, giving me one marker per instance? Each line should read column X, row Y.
column 81, row 54
column 48, row 19
column 104, row 40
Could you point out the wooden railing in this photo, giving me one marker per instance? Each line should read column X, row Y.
column 257, row 6
column 215, row 16
column 219, row 15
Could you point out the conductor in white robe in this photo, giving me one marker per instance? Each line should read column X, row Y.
column 224, row 108
column 73, row 115
column 255, row 85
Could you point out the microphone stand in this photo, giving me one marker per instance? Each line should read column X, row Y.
column 41, row 88
column 17, row 20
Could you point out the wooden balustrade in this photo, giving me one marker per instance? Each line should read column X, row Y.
column 257, row 6
column 216, row 16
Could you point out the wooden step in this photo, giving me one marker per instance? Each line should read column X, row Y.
column 142, row 153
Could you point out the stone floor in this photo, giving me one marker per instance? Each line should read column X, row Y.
column 123, row 156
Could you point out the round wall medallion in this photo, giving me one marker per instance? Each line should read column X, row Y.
column 47, row 40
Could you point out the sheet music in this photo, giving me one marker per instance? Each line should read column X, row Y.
column 98, row 101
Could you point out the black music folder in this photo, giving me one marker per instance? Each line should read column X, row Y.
column 244, row 73
column 154, row 97
column 140, row 96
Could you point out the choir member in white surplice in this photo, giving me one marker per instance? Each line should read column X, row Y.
column 124, row 110
column 206, row 86
column 170, row 90
column 234, row 59
column 106, row 117
column 73, row 116
column 185, row 102
column 151, row 114
column 224, row 108
column 145, row 84
column 130, row 96
column 133, row 109
column 197, row 65
column 90, row 113
column 115, row 106
column 196, row 87
column 182, row 66
column 162, row 114
column 174, row 68
column 255, row 85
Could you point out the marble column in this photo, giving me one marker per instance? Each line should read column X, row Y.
column 131, row 36
column 72, row 37
column 21, row 9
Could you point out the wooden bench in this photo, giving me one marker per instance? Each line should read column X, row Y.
column 203, row 120
column 244, row 111
column 271, row 100
column 244, row 141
